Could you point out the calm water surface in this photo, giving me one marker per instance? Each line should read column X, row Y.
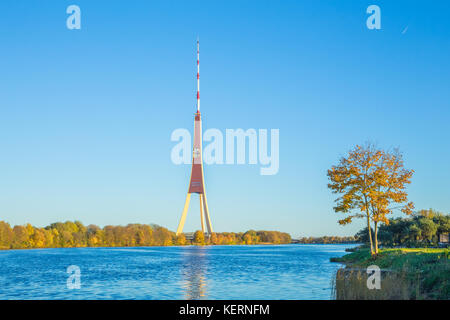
column 215, row 272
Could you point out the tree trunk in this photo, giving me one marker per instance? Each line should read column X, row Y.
column 376, row 237
column 370, row 234
column 368, row 224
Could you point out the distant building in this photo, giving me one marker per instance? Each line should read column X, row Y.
column 443, row 238
column 189, row 235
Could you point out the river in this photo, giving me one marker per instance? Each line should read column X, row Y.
column 284, row 272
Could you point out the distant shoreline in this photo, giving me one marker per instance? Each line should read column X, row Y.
column 186, row 245
column 76, row 235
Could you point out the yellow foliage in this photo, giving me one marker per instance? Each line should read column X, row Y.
column 369, row 181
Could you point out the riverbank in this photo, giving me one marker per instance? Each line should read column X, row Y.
column 405, row 274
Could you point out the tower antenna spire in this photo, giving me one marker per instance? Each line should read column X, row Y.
column 198, row 76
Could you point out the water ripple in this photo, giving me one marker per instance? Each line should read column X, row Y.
column 213, row 272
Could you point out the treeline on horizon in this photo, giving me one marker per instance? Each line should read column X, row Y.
column 419, row 230
column 74, row 234
column 328, row 240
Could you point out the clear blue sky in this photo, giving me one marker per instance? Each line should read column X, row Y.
column 86, row 115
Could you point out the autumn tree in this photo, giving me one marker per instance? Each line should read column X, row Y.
column 144, row 235
column 214, row 239
column 162, row 236
column 94, row 237
column 369, row 181
column 20, row 237
column 180, row 239
column 250, row 237
column 247, row 239
column 6, row 235
column 199, row 237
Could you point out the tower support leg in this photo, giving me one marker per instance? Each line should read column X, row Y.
column 183, row 215
column 201, row 213
column 207, row 218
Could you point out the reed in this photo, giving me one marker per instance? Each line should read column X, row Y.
column 405, row 274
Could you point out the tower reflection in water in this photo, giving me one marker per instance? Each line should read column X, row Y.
column 194, row 271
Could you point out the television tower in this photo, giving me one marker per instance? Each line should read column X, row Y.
column 197, row 181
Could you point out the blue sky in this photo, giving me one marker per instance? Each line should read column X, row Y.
column 86, row 115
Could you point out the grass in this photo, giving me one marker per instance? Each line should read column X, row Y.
column 420, row 273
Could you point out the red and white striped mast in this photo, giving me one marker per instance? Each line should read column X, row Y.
column 198, row 76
